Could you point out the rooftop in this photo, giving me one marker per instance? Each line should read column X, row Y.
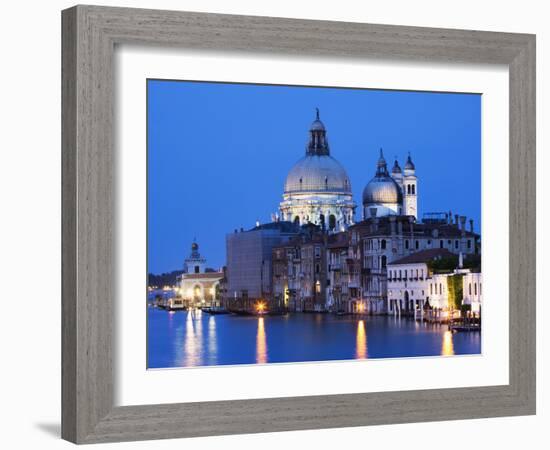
column 424, row 256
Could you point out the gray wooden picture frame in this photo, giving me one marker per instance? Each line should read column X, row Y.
column 90, row 34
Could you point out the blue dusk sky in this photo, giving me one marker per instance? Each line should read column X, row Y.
column 218, row 154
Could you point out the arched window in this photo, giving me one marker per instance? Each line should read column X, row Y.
column 469, row 288
column 407, row 244
column 383, row 244
column 475, row 288
column 384, row 261
column 440, row 244
column 332, row 221
column 413, row 189
column 440, row 289
column 417, row 244
column 431, row 289
column 408, row 188
column 322, row 220
column 297, row 220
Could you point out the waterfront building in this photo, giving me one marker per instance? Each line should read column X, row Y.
column 300, row 271
column 411, row 285
column 198, row 286
column 472, row 291
column 249, row 263
column 317, row 188
column 426, row 280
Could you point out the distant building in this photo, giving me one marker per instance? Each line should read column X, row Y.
column 199, row 286
column 249, row 263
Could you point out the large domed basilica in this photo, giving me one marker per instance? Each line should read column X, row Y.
column 317, row 188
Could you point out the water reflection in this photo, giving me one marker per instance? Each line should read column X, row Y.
column 212, row 341
column 447, row 348
column 361, row 341
column 261, row 344
column 193, row 340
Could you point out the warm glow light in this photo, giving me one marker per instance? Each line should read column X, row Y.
column 261, row 343
column 193, row 339
column 361, row 340
column 447, row 348
column 260, row 307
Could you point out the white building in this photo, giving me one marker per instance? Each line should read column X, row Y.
column 197, row 286
column 472, row 291
column 411, row 286
column 317, row 188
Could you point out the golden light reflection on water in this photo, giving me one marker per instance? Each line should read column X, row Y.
column 261, row 344
column 212, row 342
column 193, row 339
column 361, row 341
column 447, row 348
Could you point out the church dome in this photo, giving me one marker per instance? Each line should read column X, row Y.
column 382, row 190
column 317, row 173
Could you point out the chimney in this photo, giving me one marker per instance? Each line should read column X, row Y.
column 471, row 225
column 463, row 224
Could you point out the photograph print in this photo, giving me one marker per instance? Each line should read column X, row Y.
column 293, row 224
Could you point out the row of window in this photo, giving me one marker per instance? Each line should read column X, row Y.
column 382, row 244
column 398, row 275
column 475, row 288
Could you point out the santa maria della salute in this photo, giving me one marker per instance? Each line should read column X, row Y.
column 320, row 254
column 318, row 189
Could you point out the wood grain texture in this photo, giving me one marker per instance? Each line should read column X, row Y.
column 89, row 198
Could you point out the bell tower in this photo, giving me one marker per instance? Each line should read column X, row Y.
column 410, row 189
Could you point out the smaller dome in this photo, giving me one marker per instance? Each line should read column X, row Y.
column 409, row 164
column 382, row 190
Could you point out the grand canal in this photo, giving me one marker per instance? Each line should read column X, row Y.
column 189, row 339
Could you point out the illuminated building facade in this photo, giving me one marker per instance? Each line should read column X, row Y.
column 199, row 286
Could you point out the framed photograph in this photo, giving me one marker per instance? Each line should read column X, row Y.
column 277, row 224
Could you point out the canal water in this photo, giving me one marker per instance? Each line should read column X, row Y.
column 190, row 339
